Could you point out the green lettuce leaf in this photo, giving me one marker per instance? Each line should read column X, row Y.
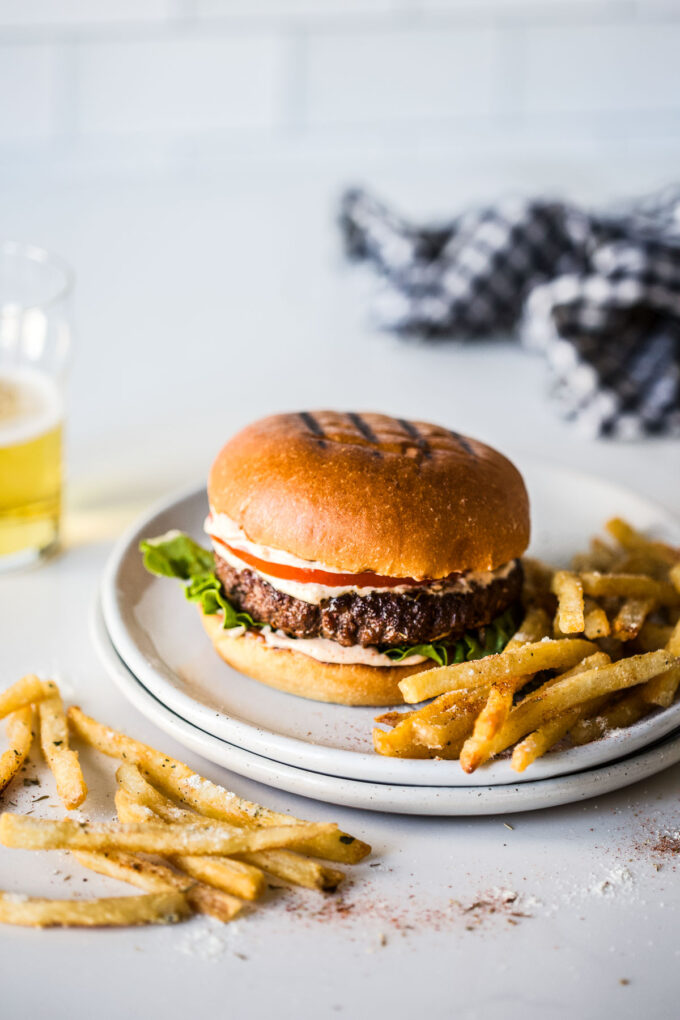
column 177, row 555
column 487, row 640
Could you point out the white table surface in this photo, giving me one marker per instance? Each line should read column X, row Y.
column 203, row 302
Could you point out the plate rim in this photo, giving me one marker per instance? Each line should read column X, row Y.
column 350, row 764
column 429, row 801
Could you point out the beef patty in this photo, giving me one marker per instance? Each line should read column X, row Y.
column 379, row 618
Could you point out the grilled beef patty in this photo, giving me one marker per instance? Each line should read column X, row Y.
column 379, row 618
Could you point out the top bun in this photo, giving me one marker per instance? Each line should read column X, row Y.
column 369, row 492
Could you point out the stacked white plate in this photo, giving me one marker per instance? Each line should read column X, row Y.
column 154, row 648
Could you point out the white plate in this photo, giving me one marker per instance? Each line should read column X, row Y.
column 159, row 636
column 409, row 800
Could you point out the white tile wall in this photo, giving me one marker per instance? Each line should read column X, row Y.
column 630, row 67
column 56, row 13
column 29, row 86
column 131, row 71
column 183, row 86
column 387, row 76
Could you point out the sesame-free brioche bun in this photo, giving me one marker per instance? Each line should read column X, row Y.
column 299, row 674
column 361, row 492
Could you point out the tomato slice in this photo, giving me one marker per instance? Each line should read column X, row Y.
column 304, row 575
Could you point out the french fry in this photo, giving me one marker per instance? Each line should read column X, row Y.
column 207, row 798
column 232, row 875
column 565, row 692
column 630, row 538
column 20, row 729
column 399, row 743
column 63, row 762
column 282, row 864
column 674, row 576
column 158, row 877
column 534, row 627
column 122, row 911
column 617, row 715
column 629, row 586
column 537, row 743
column 26, row 691
column 596, row 623
column 206, row 837
column 530, row 658
column 537, row 580
column 653, row 636
column 570, row 616
column 661, row 690
column 631, row 616
column 600, row 557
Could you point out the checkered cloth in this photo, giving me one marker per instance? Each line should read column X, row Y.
column 598, row 294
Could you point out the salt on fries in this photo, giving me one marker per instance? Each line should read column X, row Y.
column 207, row 798
column 613, row 641
column 212, row 854
column 119, row 911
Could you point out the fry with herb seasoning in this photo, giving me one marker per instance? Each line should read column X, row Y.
column 20, row 732
column 63, row 762
column 115, row 912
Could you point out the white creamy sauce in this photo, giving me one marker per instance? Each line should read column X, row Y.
column 224, row 528
column 324, row 650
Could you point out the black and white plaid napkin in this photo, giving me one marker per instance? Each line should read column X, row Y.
column 599, row 294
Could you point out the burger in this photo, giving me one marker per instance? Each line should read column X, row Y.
column 349, row 551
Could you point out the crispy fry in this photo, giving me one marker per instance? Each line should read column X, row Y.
column 600, row 557
column 207, row 798
column 63, row 762
column 158, row 877
column 565, row 692
column 204, row 837
column 596, row 621
column 569, row 590
column 20, row 731
column 630, row 538
column 652, row 636
column 526, row 659
column 674, row 577
column 630, row 586
column 661, row 690
column 27, row 691
column 121, row 911
column 234, row 877
column 538, row 743
column 282, row 864
column 617, row 715
column 631, row 616
column 534, row 627
column 537, row 580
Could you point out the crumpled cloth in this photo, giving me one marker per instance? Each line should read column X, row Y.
column 597, row 294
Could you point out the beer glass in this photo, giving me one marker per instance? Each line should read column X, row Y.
column 36, row 335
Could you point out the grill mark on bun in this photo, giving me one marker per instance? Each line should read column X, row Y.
column 313, row 426
column 363, row 427
column 413, row 433
column 463, row 443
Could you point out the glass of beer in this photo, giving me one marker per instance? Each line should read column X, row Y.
column 36, row 335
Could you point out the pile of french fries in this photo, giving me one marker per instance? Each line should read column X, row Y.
column 211, row 852
column 598, row 649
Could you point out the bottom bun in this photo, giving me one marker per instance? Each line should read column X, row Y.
column 352, row 684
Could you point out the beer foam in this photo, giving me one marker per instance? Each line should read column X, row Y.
column 30, row 405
